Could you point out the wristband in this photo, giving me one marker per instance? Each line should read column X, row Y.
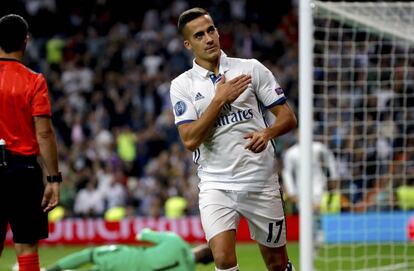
column 54, row 178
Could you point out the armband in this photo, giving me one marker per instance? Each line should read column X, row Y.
column 55, row 178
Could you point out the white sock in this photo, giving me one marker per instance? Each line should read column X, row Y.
column 235, row 268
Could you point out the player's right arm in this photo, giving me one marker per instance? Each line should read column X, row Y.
column 193, row 133
column 48, row 151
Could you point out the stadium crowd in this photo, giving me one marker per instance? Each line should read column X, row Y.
column 109, row 66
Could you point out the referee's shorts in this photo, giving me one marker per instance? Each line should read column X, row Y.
column 21, row 193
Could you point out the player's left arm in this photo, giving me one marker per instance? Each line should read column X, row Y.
column 271, row 95
column 286, row 121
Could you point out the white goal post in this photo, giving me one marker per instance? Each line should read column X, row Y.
column 357, row 97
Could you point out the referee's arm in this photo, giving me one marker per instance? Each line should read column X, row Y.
column 48, row 152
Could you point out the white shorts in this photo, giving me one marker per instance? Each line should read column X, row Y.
column 221, row 210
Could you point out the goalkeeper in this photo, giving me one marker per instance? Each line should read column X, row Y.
column 170, row 253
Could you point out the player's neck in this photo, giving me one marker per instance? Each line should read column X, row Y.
column 12, row 55
column 212, row 66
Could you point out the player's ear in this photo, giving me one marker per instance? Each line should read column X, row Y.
column 187, row 45
column 26, row 40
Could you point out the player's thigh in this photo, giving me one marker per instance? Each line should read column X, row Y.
column 266, row 217
column 26, row 209
column 217, row 212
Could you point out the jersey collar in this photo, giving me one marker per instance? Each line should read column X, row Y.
column 224, row 66
column 9, row 59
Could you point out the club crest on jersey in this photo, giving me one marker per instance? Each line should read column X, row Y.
column 198, row 96
column 279, row 91
column 180, row 108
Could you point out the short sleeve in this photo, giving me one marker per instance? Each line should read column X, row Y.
column 40, row 100
column 267, row 88
column 183, row 107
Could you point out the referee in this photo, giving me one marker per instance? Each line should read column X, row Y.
column 26, row 132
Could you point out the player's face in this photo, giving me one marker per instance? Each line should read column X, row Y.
column 202, row 38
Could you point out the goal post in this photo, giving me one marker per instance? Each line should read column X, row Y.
column 358, row 64
column 305, row 135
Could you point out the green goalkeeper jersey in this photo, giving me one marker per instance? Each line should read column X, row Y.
column 169, row 253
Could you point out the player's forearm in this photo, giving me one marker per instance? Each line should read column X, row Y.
column 286, row 121
column 193, row 134
column 48, row 150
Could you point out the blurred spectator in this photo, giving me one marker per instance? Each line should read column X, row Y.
column 89, row 201
column 126, row 144
column 115, row 195
column 333, row 199
column 108, row 69
column 378, row 198
column 405, row 197
column 54, row 51
column 115, row 214
column 175, row 207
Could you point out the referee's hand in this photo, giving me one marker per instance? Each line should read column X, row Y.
column 50, row 197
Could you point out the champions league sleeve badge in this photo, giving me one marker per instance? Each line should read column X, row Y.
column 180, row 108
column 279, row 91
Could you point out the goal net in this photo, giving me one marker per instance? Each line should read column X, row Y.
column 364, row 112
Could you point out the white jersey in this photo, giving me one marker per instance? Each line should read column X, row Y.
column 323, row 164
column 223, row 161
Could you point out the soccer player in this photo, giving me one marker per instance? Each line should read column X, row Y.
column 26, row 130
column 218, row 111
column 169, row 252
column 323, row 169
column 325, row 179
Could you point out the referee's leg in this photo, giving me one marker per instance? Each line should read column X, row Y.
column 27, row 220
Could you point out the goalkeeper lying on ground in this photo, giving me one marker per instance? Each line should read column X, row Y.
column 170, row 253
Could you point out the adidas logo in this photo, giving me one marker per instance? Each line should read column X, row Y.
column 199, row 96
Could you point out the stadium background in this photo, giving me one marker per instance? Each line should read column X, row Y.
column 108, row 67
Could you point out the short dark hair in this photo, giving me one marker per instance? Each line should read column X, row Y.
column 13, row 32
column 189, row 15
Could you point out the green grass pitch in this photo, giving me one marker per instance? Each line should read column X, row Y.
column 248, row 256
column 337, row 257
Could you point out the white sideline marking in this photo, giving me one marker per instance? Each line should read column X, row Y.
column 393, row 267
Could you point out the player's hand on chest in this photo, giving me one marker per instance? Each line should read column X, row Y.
column 236, row 91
